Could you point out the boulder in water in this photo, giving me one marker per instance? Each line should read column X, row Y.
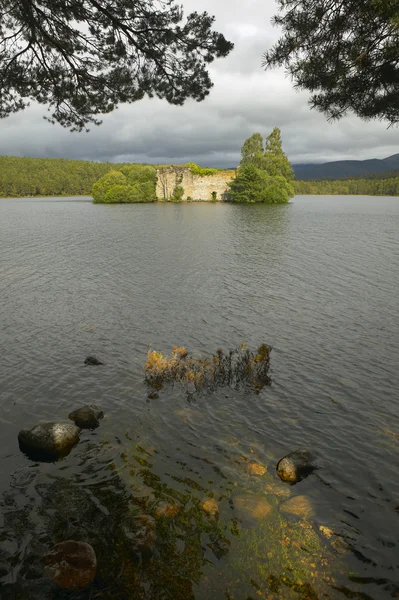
column 87, row 417
column 92, row 360
column 71, row 565
column 50, row 438
column 295, row 466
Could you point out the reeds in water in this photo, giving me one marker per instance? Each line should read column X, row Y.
column 234, row 368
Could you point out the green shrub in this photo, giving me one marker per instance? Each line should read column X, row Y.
column 197, row 170
column 101, row 187
column 178, row 194
column 131, row 184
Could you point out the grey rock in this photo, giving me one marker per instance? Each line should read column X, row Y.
column 71, row 565
column 87, row 417
column 50, row 438
column 92, row 360
column 295, row 466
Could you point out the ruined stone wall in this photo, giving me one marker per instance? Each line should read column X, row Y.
column 197, row 188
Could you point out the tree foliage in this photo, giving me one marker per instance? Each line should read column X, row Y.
column 255, row 185
column 265, row 172
column 268, row 156
column 352, row 187
column 252, row 150
column 129, row 185
column 49, row 176
column 84, row 57
column 344, row 53
column 275, row 160
column 201, row 171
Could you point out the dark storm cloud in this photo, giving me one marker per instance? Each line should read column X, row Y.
column 245, row 99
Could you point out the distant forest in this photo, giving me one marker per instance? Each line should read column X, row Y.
column 351, row 187
column 22, row 177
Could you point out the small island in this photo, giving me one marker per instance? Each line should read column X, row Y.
column 264, row 175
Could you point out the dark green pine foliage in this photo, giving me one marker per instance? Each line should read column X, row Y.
column 345, row 53
column 83, row 58
column 252, row 151
column 275, row 160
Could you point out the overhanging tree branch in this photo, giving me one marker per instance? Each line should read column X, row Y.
column 84, row 57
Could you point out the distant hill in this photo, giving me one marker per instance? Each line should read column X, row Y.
column 342, row 169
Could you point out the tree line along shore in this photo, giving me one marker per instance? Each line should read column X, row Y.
column 29, row 177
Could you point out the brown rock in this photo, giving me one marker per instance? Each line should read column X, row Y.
column 326, row 531
column 252, row 506
column 210, row 506
column 167, row 510
column 278, row 489
column 300, row 506
column 71, row 565
column 295, row 466
column 256, row 468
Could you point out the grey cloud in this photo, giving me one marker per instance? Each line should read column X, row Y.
column 244, row 99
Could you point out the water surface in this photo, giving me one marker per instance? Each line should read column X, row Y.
column 318, row 280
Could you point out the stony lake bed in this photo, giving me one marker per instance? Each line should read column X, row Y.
column 178, row 494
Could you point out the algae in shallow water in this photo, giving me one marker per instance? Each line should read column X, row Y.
column 287, row 560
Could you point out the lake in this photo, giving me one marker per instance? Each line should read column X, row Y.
column 318, row 280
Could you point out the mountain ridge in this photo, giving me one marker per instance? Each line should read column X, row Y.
column 342, row 169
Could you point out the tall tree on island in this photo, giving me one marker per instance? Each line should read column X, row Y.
column 275, row 159
column 265, row 172
column 84, row 57
column 252, row 150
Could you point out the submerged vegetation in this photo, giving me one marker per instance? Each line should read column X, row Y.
column 235, row 368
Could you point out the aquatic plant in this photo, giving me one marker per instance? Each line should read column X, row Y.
column 235, row 368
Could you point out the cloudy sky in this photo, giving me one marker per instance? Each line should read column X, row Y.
column 244, row 99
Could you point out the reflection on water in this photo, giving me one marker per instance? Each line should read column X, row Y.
column 178, row 495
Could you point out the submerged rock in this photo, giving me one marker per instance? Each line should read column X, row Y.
column 255, row 468
column 71, row 565
column 278, row 489
column 49, row 438
column 210, row 506
column 92, row 360
column 295, row 466
column 167, row 510
column 251, row 507
column 87, row 417
column 299, row 506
